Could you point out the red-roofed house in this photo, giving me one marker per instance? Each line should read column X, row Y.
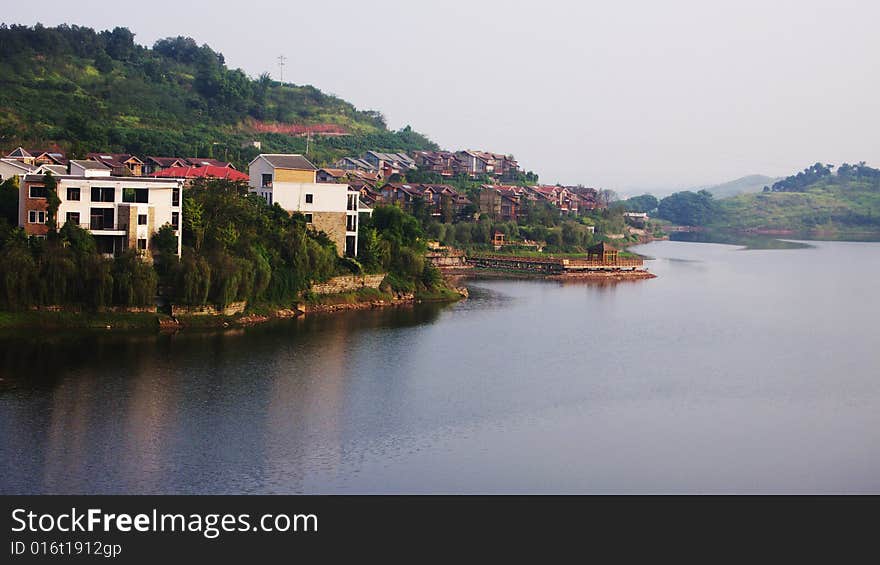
column 501, row 202
column 192, row 173
column 330, row 175
column 206, row 162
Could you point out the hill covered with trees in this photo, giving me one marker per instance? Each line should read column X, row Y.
column 815, row 199
column 82, row 90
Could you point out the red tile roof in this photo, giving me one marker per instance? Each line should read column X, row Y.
column 227, row 173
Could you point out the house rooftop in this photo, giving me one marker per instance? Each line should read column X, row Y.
column 208, row 171
column 89, row 164
column 18, row 164
column 288, row 161
column 338, row 173
column 80, row 178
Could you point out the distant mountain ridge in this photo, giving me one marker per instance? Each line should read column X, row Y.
column 743, row 185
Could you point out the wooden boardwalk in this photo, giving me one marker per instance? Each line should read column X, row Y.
column 552, row 265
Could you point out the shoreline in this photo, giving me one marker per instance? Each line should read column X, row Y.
column 59, row 319
column 597, row 276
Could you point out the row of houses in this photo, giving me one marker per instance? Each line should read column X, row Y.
column 123, row 200
column 124, row 211
column 439, row 200
column 445, row 163
column 119, row 164
column 497, row 201
column 508, row 202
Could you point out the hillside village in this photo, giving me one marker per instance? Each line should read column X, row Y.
column 130, row 197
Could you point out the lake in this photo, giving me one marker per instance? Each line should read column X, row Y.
column 734, row 371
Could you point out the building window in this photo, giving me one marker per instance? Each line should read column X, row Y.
column 310, row 198
column 73, row 193
column 101, row 219
column 351, row 223
column 175, row 197
column 37, row 217
column 267, row 180
column 350, row 245
column 73, row 218
column 175, row 220
column 142, row 244
column 352, row 202
column 103, row 194
column 139, row 195
column 308, row 218
column 142, row 219
column 38, row 192
column 106, row 244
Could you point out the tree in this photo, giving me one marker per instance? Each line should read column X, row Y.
column 688, row 208
column 643, row 203
column 18, row 273
column 52, row 202
column 9, row 200
column 134, row 280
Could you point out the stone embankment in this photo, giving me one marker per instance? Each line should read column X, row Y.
column 348, row 283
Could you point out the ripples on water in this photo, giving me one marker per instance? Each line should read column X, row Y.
column 734, row 371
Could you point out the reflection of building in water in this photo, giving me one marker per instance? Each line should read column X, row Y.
column 268, row 410
column 151, row 410
column 123, row 410
column 67, row 441
column 306, row 398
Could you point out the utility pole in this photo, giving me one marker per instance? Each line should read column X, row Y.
column 281, row 59
column 308, row 141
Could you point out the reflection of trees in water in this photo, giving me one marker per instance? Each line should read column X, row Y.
column 38, row 361
column 746, row 240
column 198, row 411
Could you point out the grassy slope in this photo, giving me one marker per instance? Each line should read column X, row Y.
column 746, row 184
column 829, row 205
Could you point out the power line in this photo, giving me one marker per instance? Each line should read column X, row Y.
column 281, row 59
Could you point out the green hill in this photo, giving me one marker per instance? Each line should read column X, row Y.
column 82, row 91
column 815, row 200
column 742, row 185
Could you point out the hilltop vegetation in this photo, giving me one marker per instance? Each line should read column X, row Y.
column 100, row 91
column 816, row 199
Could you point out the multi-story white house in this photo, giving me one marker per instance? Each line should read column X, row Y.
column 290, row 181
column 120, row 212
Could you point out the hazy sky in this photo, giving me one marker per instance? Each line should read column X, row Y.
column 625, row 95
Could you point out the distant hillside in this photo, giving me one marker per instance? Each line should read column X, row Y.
column 742, row 185
column 816, row 199
column 80, row 90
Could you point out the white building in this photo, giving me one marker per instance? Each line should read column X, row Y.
column 290, row 182
column 120, row 212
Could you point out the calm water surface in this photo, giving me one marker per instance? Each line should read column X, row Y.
column 734, row 371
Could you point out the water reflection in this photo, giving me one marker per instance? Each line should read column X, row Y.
column 732, row 371
column 105, row 412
